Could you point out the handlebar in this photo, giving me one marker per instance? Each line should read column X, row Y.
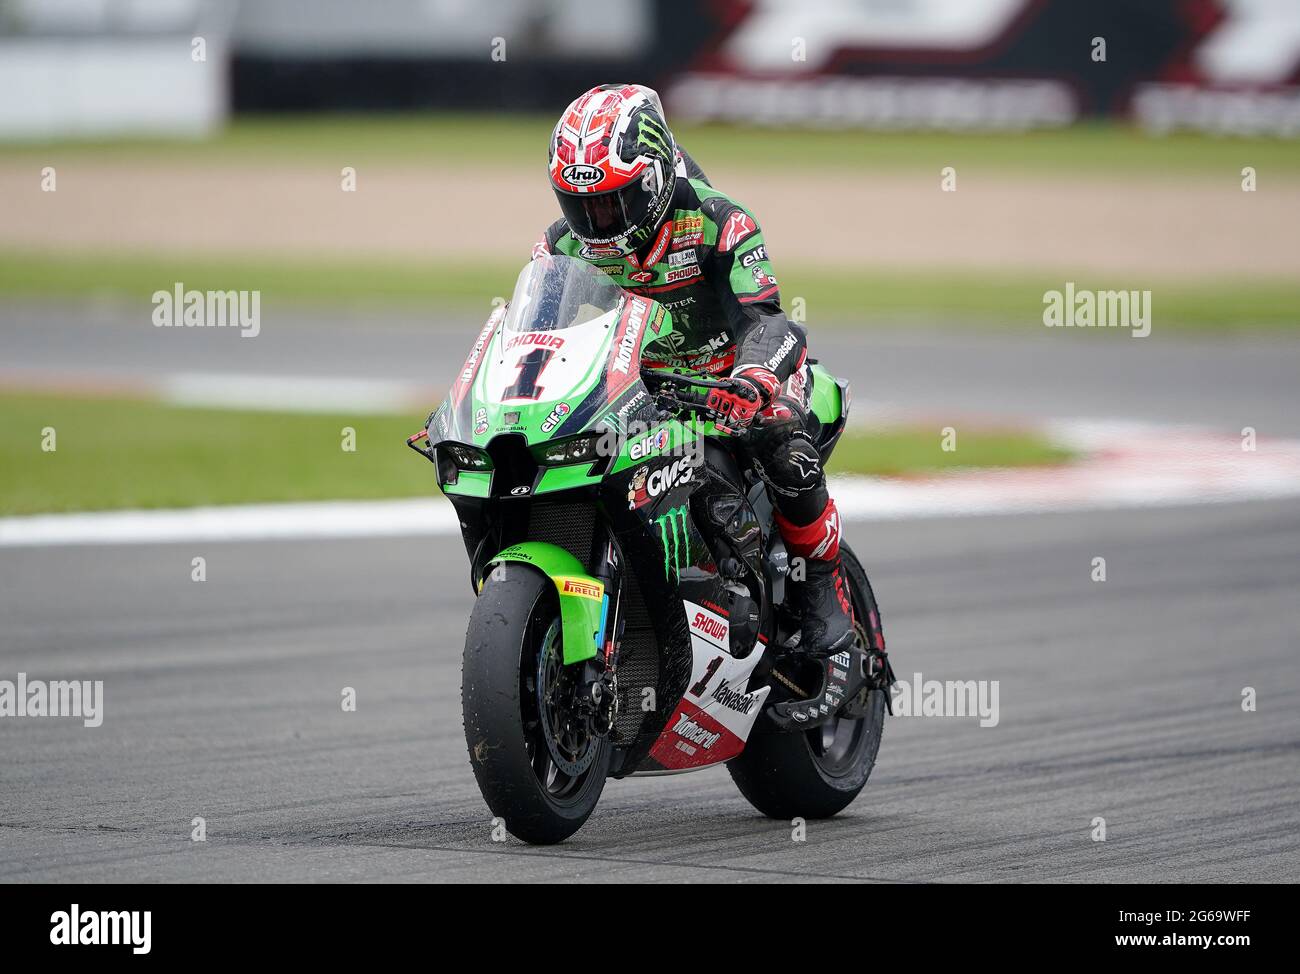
column 676, row 393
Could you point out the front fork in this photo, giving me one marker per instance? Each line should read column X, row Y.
column 599, row 696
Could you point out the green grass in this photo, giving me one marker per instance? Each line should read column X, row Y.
column 831, row 297
column 910, row 451
column 116, row 453
column 447, row 139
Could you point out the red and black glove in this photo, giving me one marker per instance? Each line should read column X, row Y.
column 752, row 390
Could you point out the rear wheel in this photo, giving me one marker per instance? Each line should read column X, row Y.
column 539, row 767
column 818, row 773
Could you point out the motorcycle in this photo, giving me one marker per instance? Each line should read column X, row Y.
column 632, row 614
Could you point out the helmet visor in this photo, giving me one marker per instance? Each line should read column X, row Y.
column 605, row 217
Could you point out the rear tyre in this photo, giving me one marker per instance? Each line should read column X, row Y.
column 818, row 773
column 537, row 766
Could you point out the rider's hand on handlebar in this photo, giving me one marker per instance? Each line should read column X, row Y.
column 751, row 391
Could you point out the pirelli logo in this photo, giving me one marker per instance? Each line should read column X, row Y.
column 582, row 589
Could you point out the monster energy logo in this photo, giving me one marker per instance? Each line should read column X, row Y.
column 651, row 133
column 676, row 552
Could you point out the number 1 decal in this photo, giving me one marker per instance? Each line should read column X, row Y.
column 698, row 689
column 530, row 370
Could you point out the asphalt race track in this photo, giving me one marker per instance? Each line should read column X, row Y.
column 1030, row 374
column 1118, row 699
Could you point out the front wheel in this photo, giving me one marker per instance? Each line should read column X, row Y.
column 537, row 764
column 817, row 773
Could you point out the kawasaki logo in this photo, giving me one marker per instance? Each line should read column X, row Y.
column 631, row 337
column 676, row 552
column 693, row 732
column 733, row 699
column 780, row 353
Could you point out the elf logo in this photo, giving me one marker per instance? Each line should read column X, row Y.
column 555, row 417
column 648, row 445
column 687, row 729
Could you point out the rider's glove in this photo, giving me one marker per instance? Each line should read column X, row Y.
column 753, row 389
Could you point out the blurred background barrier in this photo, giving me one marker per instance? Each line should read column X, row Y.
column 77, row 67
column 925, row 171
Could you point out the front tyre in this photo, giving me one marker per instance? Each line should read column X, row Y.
column 817, row 773
column 539, row 769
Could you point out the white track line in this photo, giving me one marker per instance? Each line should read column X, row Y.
column 1125, row 465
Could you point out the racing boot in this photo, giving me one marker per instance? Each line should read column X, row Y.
column 823, row 596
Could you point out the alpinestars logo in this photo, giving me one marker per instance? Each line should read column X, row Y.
column 738, row 226
column 733, row 699
column 689, row 730
column 832, row 538
column 808, row 466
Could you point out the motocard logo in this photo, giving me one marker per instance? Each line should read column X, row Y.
column 649, row 445
column 712, row 626
column 687, row 729
column 471, row 363
column 538, row 338
column 688, row 231
column 682, row 273
column 631, row 336
column 581, row 175
column 733, row 699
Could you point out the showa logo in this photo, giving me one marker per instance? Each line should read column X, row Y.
column 948, row 698
column 1081, row 308
column 179, row 308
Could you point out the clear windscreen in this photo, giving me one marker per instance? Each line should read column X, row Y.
column 557, row 292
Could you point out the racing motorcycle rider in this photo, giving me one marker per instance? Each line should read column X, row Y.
column 640, row 209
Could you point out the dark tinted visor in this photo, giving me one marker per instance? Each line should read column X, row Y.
column 602, row 217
